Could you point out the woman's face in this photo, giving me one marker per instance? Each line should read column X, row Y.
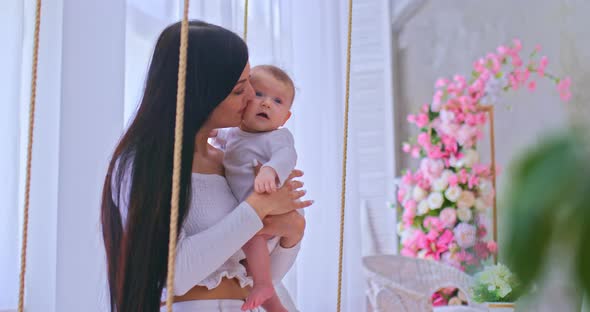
column 229, row 112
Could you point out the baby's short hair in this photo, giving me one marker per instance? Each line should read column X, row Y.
column 279, row 74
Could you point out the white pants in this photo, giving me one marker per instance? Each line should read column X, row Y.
column 224, row 305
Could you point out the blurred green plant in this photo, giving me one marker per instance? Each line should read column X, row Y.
column 548, row 203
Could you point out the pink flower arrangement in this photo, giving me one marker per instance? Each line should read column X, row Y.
column 446, row 199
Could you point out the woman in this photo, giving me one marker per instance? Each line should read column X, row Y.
column 213, row 225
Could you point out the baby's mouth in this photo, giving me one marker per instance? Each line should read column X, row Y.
column 263, row 115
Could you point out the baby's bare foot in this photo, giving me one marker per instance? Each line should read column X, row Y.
column 258, row 295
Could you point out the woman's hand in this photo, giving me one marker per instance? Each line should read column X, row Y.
column 286, row 199
column 289, row 227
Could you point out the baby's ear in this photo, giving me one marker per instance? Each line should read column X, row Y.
column 286, row 118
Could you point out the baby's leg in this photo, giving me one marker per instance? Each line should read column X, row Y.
column 258, row 259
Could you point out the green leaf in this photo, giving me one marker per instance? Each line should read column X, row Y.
column 540, row 184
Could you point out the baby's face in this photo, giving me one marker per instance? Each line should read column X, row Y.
column 270, row 108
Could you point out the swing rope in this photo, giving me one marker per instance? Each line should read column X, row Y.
column 23, row 255
column 344, row 155
column 180, row 94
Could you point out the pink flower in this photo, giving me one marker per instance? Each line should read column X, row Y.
column 481, row 250
column 513, row 82
column 431, row 168
column 516, row 61
column 502, row 50
column 411, row 118
column 411, row 205
column 453, row 180
column 433, row 223
column 441, row 82
column 542, row 65
column 406, row 147
column 448, row 217
column 532, row 85
column 473, row 181
column 450, row 259
column 465, row 135
column 422, row 120
column 408, row 252
column 435, row 153
column 424, row 139
column 438, row 300
column 465, row 234
column 517, row 45
column 407, row 178
column 564, row 89
column 463, row 176
column 415, row 152
column 411, row 244
column 524, row 76
column 492, row 247
column 424, row 109
column 565, row 96
column 466, row 257
column 409, row 214
column 435, row 245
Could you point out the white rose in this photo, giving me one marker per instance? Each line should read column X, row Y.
column 470, row 158
column 447, row 116
column 456, row 163
column 446, row 173
column 481, row 204
column 464, row 214
column 440, row 184
column 453, row 193
column 419, row 193
column 466, row 200
column 485, row 187
column 406, row 234
column 422, row 208
column 435, row 200
column 455, row 301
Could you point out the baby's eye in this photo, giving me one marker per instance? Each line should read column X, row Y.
column 278, row 101
column 258, row 93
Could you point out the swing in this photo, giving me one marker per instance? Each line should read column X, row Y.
column 177, row 153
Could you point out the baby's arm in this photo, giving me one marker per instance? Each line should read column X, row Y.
column 282, row 161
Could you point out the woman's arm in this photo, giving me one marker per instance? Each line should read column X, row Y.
column 200, row 254
column 289, row 228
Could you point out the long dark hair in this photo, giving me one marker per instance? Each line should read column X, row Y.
column 137, row 251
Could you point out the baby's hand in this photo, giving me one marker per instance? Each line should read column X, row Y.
column 266, row 180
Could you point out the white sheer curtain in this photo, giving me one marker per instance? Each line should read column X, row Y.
column 11, row 28
column 307, row 39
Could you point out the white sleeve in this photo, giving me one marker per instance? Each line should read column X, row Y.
column 283, row 155
column 199, row 255
column 282, row 259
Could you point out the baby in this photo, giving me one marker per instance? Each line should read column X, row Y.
column 261, row 138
